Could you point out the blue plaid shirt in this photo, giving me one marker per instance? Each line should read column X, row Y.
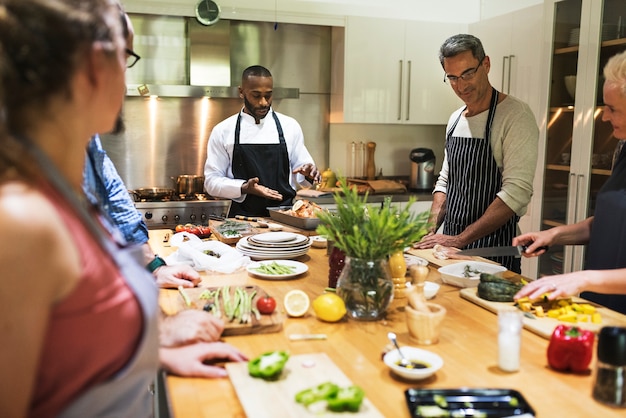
column 104, row 187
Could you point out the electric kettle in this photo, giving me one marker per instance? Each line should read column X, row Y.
column 422, row 169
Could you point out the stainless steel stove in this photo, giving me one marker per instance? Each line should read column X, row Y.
column 168, row 214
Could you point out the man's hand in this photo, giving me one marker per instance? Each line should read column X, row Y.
column 189, row 326
column 170, row 277
column 253, row 187
column 430, row 240
column 309, row 171
column 198, row 360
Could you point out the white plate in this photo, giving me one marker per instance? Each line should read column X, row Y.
column 275, row 237
column 245, row 245
column 299, row 269
column 257, row 241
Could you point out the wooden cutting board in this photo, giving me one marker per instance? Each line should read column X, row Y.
column 545, row 326
column 427, row 254
column 262, row 399
column 267, row 323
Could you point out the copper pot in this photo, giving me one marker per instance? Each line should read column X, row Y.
column 189, row 184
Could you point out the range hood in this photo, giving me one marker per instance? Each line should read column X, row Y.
column 182, row 58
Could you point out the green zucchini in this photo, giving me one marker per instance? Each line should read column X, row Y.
column 497, row 289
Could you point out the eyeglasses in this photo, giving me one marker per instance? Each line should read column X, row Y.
column 466, row 76
column 131, row 58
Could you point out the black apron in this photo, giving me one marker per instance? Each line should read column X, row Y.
column 607, row 243
column 268, row 162
column 474, row 180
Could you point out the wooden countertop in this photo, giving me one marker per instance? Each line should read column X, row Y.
column 468, row 346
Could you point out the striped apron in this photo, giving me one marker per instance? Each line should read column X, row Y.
column 474, row 180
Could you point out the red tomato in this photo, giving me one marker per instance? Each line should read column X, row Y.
column 266, row 304
column 180, row 228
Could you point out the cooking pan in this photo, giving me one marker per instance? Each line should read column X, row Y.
column 189, row 184
column 152, row 193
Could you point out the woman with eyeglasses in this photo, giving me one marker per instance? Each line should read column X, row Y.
column 486, row 180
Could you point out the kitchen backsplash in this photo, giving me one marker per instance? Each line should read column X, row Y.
column 393, row 145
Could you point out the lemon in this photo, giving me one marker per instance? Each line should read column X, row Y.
column 296, row 303
column 329, row 307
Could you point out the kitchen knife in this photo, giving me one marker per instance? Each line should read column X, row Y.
column 497, row 251
column 246, row 218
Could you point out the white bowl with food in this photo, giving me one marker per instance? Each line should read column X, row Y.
column 467, row 273
column 319, row 241
column 421, row 363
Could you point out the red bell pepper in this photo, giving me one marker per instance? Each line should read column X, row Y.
column 570, row 348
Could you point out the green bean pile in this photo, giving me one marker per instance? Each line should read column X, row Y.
column 274, row 268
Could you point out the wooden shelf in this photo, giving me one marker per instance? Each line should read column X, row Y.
column 551, row 222
column 557, row 167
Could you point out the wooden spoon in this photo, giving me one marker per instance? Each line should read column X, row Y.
column 416, row 297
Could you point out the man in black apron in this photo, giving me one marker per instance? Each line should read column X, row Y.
column 477, row 199
column 253, row 159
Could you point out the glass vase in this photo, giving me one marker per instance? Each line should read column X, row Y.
column 366, row 288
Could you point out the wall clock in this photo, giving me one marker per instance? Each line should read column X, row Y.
column 207, row 12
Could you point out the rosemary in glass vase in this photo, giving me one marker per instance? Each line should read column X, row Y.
column 368, row 235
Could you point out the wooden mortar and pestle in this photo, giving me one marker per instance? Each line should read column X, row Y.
column 422, row 318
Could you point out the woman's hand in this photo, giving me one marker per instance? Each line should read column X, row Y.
column 199, row 359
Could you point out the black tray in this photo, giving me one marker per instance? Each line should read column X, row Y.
column 466, row 402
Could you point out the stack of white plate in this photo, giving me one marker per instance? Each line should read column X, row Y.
column 274, row 245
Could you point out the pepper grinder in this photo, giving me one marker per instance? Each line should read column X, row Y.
column 371, row 165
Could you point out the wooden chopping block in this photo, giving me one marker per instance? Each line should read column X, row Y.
column 266, row 324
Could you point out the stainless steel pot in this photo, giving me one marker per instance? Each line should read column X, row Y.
column 151, row 193
column 189, row 184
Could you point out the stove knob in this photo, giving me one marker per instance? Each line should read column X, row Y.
column 164, row 218
column 192, row 216
column 203, row 217
column 148, row 215
column 176, row 218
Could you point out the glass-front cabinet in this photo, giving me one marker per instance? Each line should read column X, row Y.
column 581, row 35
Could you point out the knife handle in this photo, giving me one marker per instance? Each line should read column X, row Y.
column 245, row 218
column 543, row 247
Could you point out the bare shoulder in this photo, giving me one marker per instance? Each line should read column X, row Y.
column 36, row 245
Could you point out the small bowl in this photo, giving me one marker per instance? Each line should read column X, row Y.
column 454, row 273
column 430, row 289
column 392, row 358
column 319, row 241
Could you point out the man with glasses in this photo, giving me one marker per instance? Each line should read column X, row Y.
column 486, row 179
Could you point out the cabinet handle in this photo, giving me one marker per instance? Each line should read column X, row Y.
column 508, row 90
column 408, row 90
column 504, row 60
column 400, row 93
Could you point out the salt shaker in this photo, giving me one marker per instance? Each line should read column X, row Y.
column 509, row 339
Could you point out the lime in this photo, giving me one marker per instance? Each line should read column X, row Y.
column 296, row 303
column 329, row 307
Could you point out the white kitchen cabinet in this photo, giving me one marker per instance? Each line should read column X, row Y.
column 392, row 72
column 513, row 43
column 578, row 147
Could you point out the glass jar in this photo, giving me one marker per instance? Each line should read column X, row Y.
column 366, row 288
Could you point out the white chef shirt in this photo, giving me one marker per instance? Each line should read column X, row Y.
column 218, row 170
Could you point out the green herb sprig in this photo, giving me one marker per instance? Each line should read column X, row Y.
column 363, row 231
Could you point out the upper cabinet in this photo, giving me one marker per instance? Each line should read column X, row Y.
column 581, row 35
column 392, row 72
column 513, row 43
